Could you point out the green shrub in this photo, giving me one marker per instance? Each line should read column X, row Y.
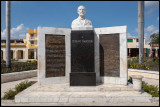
column 28, row 61
column 9, row 94
column 148, row 64
column 151, row 89
column 139, row 66
column 34, row 62
column 23, row 85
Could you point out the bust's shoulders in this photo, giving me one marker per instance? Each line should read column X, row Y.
column 88, row 20
column 75, row 20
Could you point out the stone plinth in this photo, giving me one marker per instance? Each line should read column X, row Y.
column 82, row 58
column 137, row 82
column 63, row 93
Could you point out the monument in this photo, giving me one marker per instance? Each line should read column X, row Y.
column 82, row 51
column 82, row 65
column 82, row 55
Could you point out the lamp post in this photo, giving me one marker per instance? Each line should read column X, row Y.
column 8, row 23
column 141, row 30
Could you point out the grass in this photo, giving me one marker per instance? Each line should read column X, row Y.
column 10, row 94
column 151, row 89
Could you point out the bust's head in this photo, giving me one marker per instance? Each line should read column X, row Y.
column 81, row 10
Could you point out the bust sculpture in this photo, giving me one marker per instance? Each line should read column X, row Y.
column 81, row 21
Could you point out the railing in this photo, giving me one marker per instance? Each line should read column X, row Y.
column 32, row 38
column 32, row 45
column 14, row 44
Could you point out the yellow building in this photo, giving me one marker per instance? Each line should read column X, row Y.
column 18, row 49
column 31, row 44
column 133, row 47
column 22, row 49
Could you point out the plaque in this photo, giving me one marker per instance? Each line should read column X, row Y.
column 109, row 55
column 82, row 51
column 82, row 59
column 55, row 55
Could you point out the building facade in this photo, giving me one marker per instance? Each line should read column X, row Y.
column 26, row 49
column 133, row 47
column 22, row 49
column 154, row 50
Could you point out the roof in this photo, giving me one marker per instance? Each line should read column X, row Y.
column 32, row 31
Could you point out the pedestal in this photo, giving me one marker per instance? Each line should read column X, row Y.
column 82, row 58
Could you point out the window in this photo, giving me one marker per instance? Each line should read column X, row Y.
column 32, row 42
column 32, row 35
column 129, row 40
column 137, row 40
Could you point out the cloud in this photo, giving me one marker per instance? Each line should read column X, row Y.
column 150, row 7
column 148, row 31
column 151, row 4
column 129, row 35
column 16, row 33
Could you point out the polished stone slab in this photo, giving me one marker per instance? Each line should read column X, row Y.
column 82, row 79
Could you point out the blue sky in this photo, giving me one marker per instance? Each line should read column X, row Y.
column 31, row 14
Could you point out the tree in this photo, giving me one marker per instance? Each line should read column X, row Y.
column 155, row 38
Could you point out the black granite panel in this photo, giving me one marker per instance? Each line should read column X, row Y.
column 82, row 79
column 82, row 51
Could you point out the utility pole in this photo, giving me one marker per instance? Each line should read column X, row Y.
column 141, row 30
column 8, row 25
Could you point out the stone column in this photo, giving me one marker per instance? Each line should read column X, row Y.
column 15, row 54
column 23, row 54
column 35, row 54
column 129, row 52
column 150, row 55
column 4, row 54
column 145, row 52
column 26, row 54
column 156, row 53
column 137, row 82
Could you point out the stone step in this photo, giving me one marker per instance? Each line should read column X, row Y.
column 34, row 95
column 84, row 97
column 67, row 88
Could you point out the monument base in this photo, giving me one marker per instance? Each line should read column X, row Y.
column 82, row 79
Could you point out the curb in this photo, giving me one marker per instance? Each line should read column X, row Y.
column 8, row 77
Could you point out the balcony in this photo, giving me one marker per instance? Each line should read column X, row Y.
column 14, row 44
column 32, row 38
column 32, row 45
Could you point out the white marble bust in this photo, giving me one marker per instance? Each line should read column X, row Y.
column 81, row 22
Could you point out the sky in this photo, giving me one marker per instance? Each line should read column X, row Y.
column 60, row 14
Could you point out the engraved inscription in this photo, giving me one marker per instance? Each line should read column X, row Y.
column 82, row 51
column 55, row 55
column 109, row 55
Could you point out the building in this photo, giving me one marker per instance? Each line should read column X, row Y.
column 31, row 44
column 18, row 49
column 133, row 47
column 154, row 50
column 22, row 49
column 26, row 49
